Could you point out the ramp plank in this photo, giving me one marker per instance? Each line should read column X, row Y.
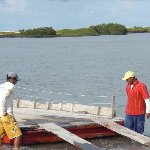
column 68, row 136
column 122, row 130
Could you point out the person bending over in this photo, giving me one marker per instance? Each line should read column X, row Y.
column 8, row 124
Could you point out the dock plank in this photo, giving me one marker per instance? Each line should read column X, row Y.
column 122, row 130
column 68, row 136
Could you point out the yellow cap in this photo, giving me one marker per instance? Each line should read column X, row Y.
column 128, row 75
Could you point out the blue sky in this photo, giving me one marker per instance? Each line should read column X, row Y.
column 72, row 14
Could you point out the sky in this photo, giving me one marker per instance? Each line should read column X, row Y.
column 72, row 14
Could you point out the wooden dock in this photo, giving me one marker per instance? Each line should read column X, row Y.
column 39, row 121
column 33, row 117
column 56, row 122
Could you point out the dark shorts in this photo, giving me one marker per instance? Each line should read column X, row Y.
column 135, row 123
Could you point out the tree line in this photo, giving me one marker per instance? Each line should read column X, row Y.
column 95, row 30
column 102, row 29
column 38, row 32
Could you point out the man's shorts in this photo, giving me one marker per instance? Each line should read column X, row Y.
column 135, row 122
column 9, row 126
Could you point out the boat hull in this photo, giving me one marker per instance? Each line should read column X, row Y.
column 34, row 136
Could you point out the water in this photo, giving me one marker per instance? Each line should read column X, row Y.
column 76, row 69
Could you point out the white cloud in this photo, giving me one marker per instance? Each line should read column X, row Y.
column 12, row 5
column 72, row 13
column 124, row 8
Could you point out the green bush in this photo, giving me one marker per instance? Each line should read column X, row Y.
column 147, row 29
column 110, row 29
column 39, row 32
column 138, row 30
column 77, row 32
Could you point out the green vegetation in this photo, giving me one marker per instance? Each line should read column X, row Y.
column 110, row 29
column 101, row 29
column 148, row 29
column 77, row 32
column 38, row 32
column 139, row 30
column 9, row 34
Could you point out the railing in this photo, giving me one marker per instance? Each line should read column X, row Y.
column 108, row 112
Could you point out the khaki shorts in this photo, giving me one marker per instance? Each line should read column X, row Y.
column 9, row 126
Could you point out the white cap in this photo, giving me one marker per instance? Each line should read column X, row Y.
column 128, row 75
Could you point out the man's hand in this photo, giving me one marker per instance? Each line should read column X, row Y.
column 4, row 113
column 147, row 115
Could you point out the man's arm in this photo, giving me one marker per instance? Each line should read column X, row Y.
column 147, row 102
column 3, row 96
column 3, row 105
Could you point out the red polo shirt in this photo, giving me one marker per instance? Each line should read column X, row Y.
column 136, row 95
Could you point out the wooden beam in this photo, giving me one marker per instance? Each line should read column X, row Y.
column 113, row 107
column 68, row 136
column 110, row 124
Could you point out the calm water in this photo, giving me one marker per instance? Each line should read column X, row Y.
column 76, row 69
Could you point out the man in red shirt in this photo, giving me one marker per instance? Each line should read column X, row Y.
column 138, row 103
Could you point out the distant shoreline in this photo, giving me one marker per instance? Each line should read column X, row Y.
column 55, row 36
column 97, row 30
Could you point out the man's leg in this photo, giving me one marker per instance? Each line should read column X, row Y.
column 17, row 142
column 139, row 123
column 129, row 122
column 2, row 133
